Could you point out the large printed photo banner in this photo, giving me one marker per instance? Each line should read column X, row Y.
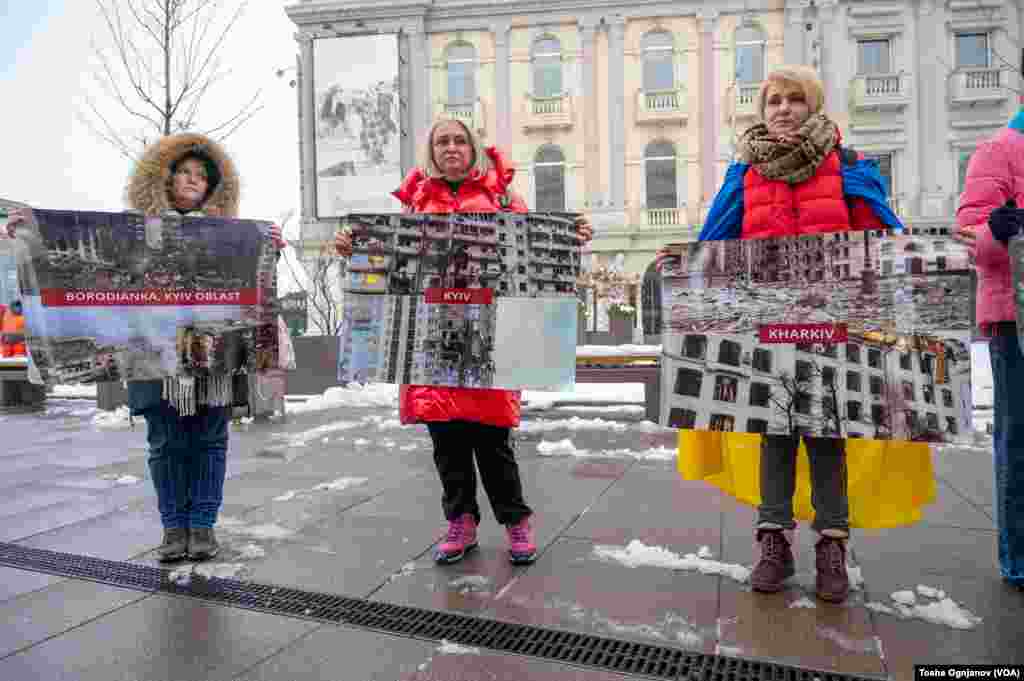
column 358, row 133
column 119, row 296
column 850, row 335
column 462, row 300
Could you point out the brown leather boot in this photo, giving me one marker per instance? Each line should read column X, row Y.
column 776, row 563
column 832, row 582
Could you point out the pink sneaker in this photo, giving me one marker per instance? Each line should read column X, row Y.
column 522, row 549
column 461, row 539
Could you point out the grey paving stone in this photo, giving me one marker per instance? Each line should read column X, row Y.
column 14, row 582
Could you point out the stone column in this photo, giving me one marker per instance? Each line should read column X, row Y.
column 710, row 125
column 419, row 85
column 825, row 56
column 502, row 85
column 911, row 177
column 307, row 128
column 617, row 113
column 795, row 37
column 588, row 109
column 931, row 126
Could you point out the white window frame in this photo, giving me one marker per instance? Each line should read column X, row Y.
column 550, row 164
column 671, row 49
column 534, row 55
column 447, row 73
column 763, row 43
column 875, row 39
column 988, row 48
column 680, row 202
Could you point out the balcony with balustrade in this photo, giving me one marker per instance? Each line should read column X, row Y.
column 469, row 113
column 744, row 105
column 661, row 106
column 548, row 113
column 664, row 220
column 878, row 91
column 968, row 86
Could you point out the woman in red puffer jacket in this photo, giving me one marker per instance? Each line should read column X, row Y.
column 459, row 176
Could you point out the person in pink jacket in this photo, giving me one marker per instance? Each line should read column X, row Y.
column 987, row 217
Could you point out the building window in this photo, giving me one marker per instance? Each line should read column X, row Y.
column 695, row 346
column 549, row 178
column 947, row 398
column 660, row 173
column 853, row 381
column 804, row 371
column 878, row 415
column 905, row 361
column 726, row 388
column 688, row 382
column 877, row 386
column 929, row 394
column 802, row 403
column 962, row 161
column 757, row 426
column 874, row 358
column 763, row 360
column 828, row 376
column 729, row 353
column 722, row 422
column 749, row 55
column 547, row 67
column 831, row 351
column 912, row 422
column 682, row 418
column 884, row 162
column 908, row 391
column 932, row 421
column 972, row 51
column 853, row 353
column 461, row 64
column 853, row 410
column 951, row 425
column 874, row 56
column 760, row 394
column 658, row 50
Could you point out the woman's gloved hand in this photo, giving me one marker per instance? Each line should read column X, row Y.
column 1006, row 221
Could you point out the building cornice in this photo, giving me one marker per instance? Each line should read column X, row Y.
column 449, row 12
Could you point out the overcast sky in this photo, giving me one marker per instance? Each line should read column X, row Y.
column 52, row 160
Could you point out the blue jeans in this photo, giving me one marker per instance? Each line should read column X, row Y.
column 1008, row 436
column 187, row 461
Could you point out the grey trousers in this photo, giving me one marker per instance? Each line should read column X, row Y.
column 827, row 458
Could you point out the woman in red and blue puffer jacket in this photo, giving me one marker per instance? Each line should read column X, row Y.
column 459, row 176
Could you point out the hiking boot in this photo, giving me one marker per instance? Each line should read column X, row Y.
column 832, row 583
column 202, row 543
column 522, row 550
column 776, row 564
column 175, row 545
column 460, row 540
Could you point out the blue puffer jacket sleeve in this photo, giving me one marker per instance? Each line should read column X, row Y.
column 725, row 217
column 863, row 180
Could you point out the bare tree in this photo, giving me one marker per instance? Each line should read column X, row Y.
column 792, row 397
column 161, row 64
column 320, row 278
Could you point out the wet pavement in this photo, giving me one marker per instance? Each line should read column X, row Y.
column 345, row 501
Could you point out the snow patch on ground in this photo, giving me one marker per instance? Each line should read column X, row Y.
column 803, row 602
column 369, row 395
column 340, row 484
column 81, row 392
column 112, row 420
column 566, row 447
column 262, row 531
column 470, row 583
column 637, row 554
column 939, row 609
column 121, row 479
column 852, row 645
column 449, row 648
column 251, row 552
column 617, row 350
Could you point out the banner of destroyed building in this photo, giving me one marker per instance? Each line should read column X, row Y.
column 850, row 334
column 358, row 124
column 470, row 300
column 118, row 296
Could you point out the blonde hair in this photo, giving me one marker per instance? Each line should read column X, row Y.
column 803, row 77
column 480, row 164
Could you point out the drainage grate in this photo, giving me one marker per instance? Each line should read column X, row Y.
column 584, row 650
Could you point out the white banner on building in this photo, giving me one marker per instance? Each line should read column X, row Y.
column 358, row 125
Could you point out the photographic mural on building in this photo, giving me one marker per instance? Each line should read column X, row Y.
column 472, row 300
column 851, row 334
column 358, row 123
column 119, row 296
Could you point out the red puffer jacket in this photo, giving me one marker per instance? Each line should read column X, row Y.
column 774, row 208
column 477, row 194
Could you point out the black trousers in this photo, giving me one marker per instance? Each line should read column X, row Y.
column 455, row 443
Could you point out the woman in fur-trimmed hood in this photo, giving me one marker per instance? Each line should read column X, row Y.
column 151, row 184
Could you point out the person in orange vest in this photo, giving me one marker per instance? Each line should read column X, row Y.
column 12, row 331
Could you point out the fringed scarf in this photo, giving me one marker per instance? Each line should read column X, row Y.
column 791, row 161
column 187, row 393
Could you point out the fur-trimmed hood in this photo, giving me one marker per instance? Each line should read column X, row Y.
column 148, row 187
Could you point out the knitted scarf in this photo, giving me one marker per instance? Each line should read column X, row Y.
column 789, row 161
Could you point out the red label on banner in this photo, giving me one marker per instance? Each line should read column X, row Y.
column 459, row 296
column 802, row 333
column 59, row 297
